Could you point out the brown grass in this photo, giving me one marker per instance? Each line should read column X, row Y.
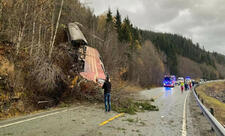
column 210, row 102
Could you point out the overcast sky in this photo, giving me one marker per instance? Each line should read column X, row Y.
column 201, row 20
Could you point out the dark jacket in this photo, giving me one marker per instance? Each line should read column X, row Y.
column 107, row 87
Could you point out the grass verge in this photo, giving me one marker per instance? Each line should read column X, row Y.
column 211, row 102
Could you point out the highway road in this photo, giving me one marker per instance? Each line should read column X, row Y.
column 178, row 115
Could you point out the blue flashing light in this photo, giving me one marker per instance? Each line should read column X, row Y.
column 169, row 81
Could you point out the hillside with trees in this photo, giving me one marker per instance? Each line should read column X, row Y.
column 175, row 46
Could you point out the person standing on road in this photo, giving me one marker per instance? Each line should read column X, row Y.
column 190, row 85
column 182, row 86
column 107, row 89
column 186, row 85
column 193, row 83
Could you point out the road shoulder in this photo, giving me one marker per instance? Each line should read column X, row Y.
column 197, row 124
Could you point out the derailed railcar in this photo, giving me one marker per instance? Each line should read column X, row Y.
column 92, row 66
column 78, row 41
column 76, row 37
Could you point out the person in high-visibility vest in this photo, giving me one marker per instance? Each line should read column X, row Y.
column 182, row 86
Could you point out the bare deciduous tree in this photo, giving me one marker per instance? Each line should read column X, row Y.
column 56, row 28
column 22, row 27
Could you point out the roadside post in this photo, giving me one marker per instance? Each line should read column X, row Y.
column 212, row 112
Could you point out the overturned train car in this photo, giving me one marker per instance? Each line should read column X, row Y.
column 89, row 58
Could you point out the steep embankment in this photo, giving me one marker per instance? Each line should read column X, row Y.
column 9, row 103
column 46, row 63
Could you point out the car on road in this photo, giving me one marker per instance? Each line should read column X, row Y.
column 169, row 81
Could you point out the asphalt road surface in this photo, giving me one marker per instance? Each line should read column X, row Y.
column 178, row 115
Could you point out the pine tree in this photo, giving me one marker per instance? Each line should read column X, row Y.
column 126, row 30
column 109, row 18
column 118, row 20
column 118, row 25
column 126, row 22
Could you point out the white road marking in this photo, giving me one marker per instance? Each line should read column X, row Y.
column 184, row 131
column 38, row 117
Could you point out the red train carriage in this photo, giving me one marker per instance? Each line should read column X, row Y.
column 88, row 57
column 93, row 66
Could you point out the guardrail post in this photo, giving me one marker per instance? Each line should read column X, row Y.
column 202, row 103
column 212, row 112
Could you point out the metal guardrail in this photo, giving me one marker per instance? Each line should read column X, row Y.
column 217, row 127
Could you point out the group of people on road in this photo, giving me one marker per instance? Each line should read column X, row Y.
column 185, row 85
